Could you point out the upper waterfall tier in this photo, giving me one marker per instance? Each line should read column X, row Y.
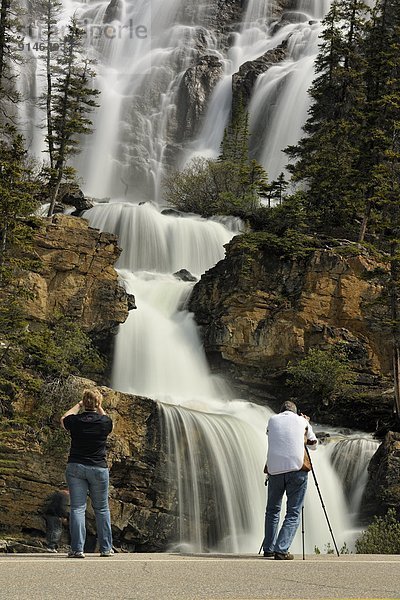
column 165, row 73
column 161, row 243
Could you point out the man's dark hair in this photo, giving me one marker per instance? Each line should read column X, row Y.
column 288, row 405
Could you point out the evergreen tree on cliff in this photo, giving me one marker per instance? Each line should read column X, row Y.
column 382, row 115
column 50, row 11
column 73, row 99
column 383, row 144
column 248, row 179
column 327, row 158
column 232, row 184
column 9, row 56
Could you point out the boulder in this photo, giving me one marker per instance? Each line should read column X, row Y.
column 383, row 487
column 185, row 275
column 244, row 80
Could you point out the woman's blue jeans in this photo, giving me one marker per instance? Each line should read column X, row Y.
column 295, row 486
column 83, row 480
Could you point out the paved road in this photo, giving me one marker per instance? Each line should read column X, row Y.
column 202, row 577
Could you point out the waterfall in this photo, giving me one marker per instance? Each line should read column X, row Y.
column 216, row 444
column 279, row 103
column 350, row 457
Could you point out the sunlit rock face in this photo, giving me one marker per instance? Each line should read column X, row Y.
column 76, row 277
column 260, row 310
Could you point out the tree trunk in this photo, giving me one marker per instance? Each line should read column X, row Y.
column 3, row 247
column 364, row 224
column 50, row 137
column 396, row 378
column 54, row 191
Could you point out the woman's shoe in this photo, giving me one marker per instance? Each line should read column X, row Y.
column 76, row 555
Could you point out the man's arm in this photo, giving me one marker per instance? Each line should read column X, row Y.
column 312, row 441
column 310, row 437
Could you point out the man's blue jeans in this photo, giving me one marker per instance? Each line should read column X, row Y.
column 295, row 486
column 84, row 479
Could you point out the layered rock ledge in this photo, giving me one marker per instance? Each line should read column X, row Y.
column 260, row 308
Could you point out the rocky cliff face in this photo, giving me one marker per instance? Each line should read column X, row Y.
column 141, row 500
column 77, row 278
column 259, row 310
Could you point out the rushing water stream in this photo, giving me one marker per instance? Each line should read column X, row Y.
column 217, row 444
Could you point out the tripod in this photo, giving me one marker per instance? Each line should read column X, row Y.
column 322, row 502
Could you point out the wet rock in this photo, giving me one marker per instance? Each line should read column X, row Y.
column 131, row 302
column 383, row 488
column 113, row 11
column 289, row 18
column 244, row 80
column 171, row 212
column 196, row 88
column 185, row 275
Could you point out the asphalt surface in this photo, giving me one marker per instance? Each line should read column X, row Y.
column 197, row 577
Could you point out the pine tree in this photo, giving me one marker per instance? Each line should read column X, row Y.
column 235, row 143
column 73, row 98
column 383, row 144
column 327, row 157
column 8, row 56
column 382, row 76
column 17, row 188
column 50, row 11
column 242, row 181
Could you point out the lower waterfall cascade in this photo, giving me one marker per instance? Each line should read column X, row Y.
column 218, row 443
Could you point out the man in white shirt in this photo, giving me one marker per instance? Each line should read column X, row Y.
column 287, row 434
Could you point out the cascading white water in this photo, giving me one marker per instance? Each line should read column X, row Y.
column 279, row 103
column 218, row 444
column 350, row 457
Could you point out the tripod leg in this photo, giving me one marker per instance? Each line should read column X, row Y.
column 322, row 502
column 302, row 530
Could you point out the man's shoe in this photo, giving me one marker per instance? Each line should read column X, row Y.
column 107, row 553
column 269, row 554
column 283, row 556
column 76, row 555
column 53, row 550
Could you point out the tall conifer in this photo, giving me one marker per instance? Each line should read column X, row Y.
column 73, row 99
column 326, row 158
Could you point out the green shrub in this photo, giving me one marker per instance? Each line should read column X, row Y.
column 382, row 536
column 322, row 375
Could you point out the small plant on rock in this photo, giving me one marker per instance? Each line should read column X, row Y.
column 382, row 536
